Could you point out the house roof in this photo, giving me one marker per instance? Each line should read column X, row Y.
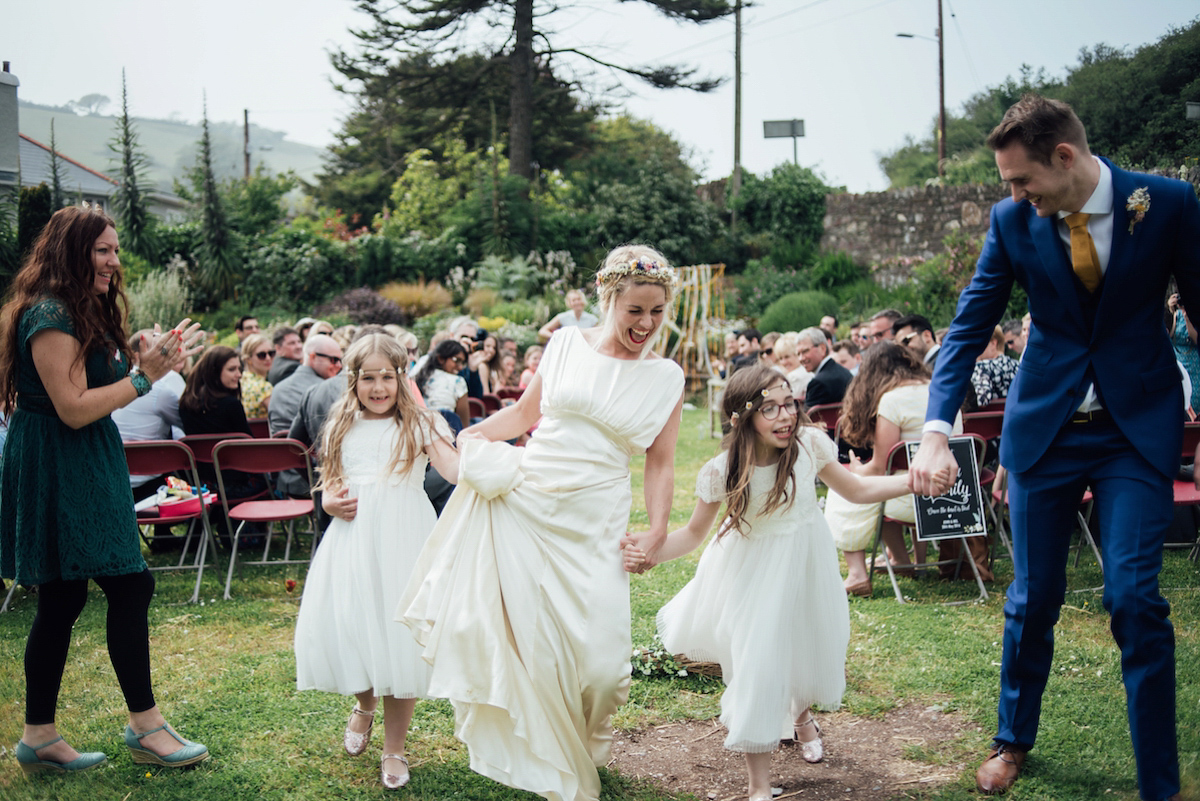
column 76, row 178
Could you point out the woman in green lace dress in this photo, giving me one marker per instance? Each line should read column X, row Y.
column 66, row 511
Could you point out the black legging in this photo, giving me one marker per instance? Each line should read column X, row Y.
column 59, row 605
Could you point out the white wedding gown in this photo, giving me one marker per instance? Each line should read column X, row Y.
column 519, row 596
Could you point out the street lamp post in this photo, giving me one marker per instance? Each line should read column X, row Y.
column 941, row 135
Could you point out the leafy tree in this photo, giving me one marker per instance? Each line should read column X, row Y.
column 134, row 219
column 1133, row 103
column 419, row 102
column 617, row 147
column 434, row 27
column 255, row 204
column 10, row 249
column 220, row 261
column 660, row 209
column 789, row 203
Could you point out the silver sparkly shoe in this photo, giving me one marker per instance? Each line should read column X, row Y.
column 812, row 750
column 354, row 742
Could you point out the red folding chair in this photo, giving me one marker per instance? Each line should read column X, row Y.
column 492, row 403
column 475, row 409
column 509, row 393
column 159, row 457
column 988, row 425
column 826, row 415
column 1185, row 492
column 202, row 444
column 263, row 456
column 259, row 428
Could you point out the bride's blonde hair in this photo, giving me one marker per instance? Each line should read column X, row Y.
column 629, row 265
column 348, row 410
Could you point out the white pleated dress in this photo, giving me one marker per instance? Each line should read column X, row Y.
column 520, row 598
column 347, row 639
column 769, row 606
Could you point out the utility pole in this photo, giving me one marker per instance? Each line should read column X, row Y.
column 736, row 183
column 246, row 140
column 941, row 38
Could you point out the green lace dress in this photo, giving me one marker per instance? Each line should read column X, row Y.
column 66, row 510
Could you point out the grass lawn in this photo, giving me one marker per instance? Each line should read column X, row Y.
column 225, row 675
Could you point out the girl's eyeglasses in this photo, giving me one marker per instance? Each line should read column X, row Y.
column 770, row 411
column 265, row 354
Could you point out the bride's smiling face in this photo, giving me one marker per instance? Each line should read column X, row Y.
column 637, row 314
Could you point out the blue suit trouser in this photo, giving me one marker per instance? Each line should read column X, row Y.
column 1135, row 507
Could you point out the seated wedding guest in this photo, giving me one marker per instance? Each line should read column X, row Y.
column 322, row 360
column 766, row 349
column 470, row 336
column 304, row 327
column 489, row 365
column 507, row 376
column 1014, row 337
column 829, row 379
column 245, row 326
column 320, row 327
column 829, row 325
column 257, row 357
column 533, row 355
column 787, row 361
column 848, row 355
column 444, row 389
column 574, row 316
column 154, row 415
column 993, row 374
column 289, row 352
column 884, row 405
column 211, row 404
column 509, row 346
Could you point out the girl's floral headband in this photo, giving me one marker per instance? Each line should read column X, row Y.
column 733, row 418
column 647, row 269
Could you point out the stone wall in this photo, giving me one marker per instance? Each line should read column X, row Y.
column 889, row 231
column 904, row 225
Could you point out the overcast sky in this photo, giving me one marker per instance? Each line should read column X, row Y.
column 836, row 64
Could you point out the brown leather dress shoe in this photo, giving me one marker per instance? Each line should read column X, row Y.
column 999, row 770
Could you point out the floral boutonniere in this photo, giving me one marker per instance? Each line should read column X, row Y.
column 1139, row 204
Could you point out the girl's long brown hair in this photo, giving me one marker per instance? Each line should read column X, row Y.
column 885, row 366
column 348, row 409
column 60, row 266
column 743, row 398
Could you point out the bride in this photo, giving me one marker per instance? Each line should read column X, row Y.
column 519, row 597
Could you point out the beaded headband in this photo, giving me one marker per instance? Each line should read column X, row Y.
column 646, row 269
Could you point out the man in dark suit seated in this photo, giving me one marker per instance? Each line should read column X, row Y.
column 830, row 379
column 915, row 332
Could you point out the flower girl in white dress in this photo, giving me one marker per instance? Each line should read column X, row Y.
column 767, row 601
column 376, row 443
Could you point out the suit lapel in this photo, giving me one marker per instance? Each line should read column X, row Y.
column 1120, row 256
column 1044, row 231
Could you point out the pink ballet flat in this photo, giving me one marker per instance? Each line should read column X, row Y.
column 393, row 781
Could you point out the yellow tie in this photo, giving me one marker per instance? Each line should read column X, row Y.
column 1084, row 259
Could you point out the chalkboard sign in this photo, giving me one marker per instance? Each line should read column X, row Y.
column 959, row 512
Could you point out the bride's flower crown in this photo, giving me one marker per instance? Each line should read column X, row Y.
column 645, row 269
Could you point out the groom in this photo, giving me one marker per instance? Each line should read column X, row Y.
column 1097, row 403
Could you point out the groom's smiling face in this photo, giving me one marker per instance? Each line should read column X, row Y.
column 1046, row 187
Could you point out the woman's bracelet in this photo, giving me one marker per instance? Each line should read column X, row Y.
column 141, row 382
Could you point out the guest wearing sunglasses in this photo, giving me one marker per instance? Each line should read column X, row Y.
column 322, row 360
column 257, row 357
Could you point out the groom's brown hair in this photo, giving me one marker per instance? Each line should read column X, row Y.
column 1040, row 124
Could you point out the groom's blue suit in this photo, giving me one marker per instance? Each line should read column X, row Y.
column 1114, row 339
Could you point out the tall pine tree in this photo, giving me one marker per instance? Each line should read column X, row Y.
column 58, row 198
column 134, row 219
column 400, row 27
column 220, row 264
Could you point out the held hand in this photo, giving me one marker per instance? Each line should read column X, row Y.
column 340, row 504
column 633, row 558
column 645, row 546
column 933, row 470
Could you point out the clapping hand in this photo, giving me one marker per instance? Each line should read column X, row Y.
column 168, row 351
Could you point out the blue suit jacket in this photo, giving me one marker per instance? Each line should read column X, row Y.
column 1128, row 347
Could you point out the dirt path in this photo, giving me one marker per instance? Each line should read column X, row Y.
column 864, row 758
